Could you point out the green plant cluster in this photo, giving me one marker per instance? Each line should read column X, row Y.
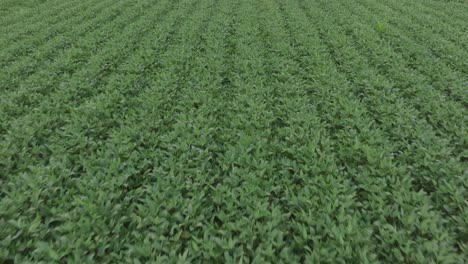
column 246, row 131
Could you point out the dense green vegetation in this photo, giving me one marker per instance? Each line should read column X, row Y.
column 233, row 131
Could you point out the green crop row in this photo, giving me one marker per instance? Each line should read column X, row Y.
column 212, row 131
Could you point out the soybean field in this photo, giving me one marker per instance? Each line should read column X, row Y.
column 233, row 131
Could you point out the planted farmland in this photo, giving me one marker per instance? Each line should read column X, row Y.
column 246, row 131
